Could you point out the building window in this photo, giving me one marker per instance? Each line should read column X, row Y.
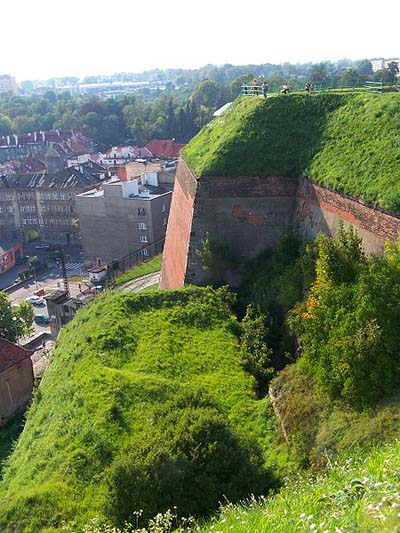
column 143, row 238
column 1, row 221
column 71, row 208
column 163, row 208
column 141, row 211
column 1, row 209
column 62, row 195
column 142, row 225
column 8, row 196
column 10, row 209
column 145, row 252
column 164, row 221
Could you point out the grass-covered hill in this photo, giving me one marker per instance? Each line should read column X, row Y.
column 144, row 406
column 347, row 141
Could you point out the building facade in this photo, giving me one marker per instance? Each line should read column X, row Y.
column 16, row 379
column 8, row 84
column 122, row 217
column 43, row 205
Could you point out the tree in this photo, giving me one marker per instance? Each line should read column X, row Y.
column 24, row 316
column 207, row 93
column 318, row 73
column 7, row 325
column 348, row 327
column 255, row 356
column 15, row 323
column 5, row 125
column 364, row 68
column 393, row 68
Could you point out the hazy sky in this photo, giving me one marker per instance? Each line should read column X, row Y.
column 45, row 38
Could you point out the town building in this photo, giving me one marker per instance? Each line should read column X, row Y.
column 10, row 253
column 381, row 63
column 62, row 308
column 164, row 149
column 8, row 84
column 13, row 147
column 42, row 205
column 122, row 217
column 16, row 379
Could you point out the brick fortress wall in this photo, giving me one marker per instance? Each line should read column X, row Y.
column 249, row 214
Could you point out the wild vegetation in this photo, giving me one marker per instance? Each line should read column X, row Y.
column 345, row 141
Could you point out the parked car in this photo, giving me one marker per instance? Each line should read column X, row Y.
column 42, row 320
column 35, row 300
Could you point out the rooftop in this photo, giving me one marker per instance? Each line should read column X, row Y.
column 11, row 354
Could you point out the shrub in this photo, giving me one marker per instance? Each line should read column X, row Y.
column 190, row 459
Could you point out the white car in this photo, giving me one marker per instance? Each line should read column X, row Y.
column 35, row 300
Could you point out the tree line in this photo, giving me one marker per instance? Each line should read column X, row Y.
column 180, row 110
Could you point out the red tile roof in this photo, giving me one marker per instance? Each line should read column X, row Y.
column 167, row 148
column 11, row 354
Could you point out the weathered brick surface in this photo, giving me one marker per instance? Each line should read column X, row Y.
column 178, row 230
column 249, row 187
column 320, row 210
column 249, row 214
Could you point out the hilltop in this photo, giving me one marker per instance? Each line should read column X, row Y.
column 144, row 406
column 347, row 141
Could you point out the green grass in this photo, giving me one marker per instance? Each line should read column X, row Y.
column 150, row 266
column 347, row 141
column 359, row 494
column 9, row 435
column 118, row 362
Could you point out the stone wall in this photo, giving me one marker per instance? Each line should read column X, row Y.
column 249, row 214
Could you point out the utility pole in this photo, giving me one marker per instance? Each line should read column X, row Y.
column 60, row 255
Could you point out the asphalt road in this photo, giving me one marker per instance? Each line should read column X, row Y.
column 49, row 280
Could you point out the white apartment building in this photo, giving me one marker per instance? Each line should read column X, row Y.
column 380, row 64
column 8, row 84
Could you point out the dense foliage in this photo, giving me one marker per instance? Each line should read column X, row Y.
column 16, row 321
column 346, row 141
column 348, row 325
column 144, row 405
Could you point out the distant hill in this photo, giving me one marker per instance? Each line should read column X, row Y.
column 347, row 141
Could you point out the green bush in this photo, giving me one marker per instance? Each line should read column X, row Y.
column 349, row 325
column 190, row 459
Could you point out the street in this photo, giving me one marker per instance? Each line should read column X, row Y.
column 53, row 280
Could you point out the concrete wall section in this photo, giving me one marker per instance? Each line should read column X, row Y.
column 246, row 214
column 179, row 229
column 320, row 210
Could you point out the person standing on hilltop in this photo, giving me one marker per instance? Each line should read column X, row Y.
column 265, row 88
column 285, row 89
column 255, row 87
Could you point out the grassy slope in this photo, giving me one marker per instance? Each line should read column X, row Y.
column 360, row 494
column 150, row 266
column 350, row 142
column 113, row 366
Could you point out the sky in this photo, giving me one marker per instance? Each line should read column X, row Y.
column 47, row 38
